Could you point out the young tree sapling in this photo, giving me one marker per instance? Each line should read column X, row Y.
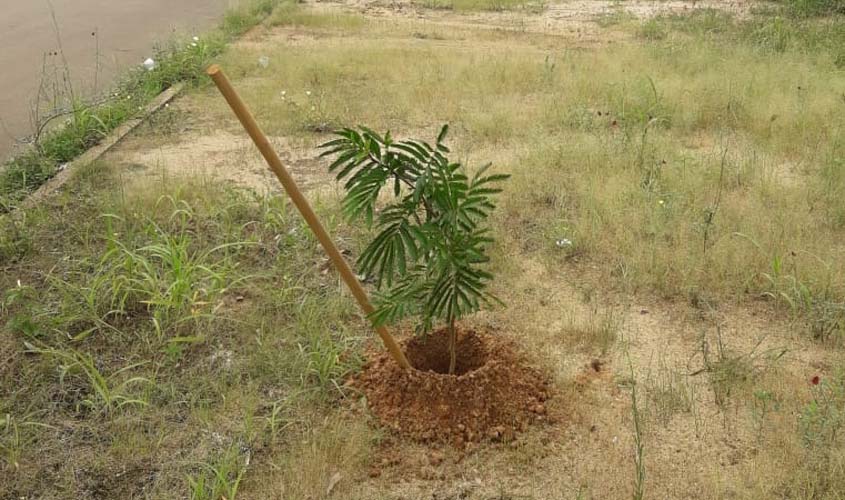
column 429, row 256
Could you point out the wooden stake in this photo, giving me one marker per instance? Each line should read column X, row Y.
column 301, row 203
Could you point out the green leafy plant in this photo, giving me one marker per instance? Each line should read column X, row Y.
column 430, row 251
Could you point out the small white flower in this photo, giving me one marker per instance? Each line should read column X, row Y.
column 660, row 202
column 284, row 92
column 193, row 44
column 167, row 105
column 308, row 92
column 196, row 39
column 19, row 283
column 263, row 61
column 150, row 64
column 563, row 242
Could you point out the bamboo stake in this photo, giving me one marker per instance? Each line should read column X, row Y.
column 301, row 203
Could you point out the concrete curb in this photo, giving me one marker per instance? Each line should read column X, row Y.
column 93, row 154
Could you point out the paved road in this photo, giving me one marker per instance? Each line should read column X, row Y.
column 126, row 31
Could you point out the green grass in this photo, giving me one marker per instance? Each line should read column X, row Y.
column 218, row 480
column 291, row 14
column 653, row 30
column 178, row 305
column 769, row 33
column 106, row 395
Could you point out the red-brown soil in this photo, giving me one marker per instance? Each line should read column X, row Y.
column 493, row 395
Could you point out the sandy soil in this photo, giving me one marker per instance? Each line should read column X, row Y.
column 217, row 154
column 573, row 18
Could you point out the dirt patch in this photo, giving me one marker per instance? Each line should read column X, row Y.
column 495, row 395
column 574, row 19
column 219, row 156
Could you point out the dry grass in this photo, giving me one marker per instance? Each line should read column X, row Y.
column 708, row 185
column 697, row 179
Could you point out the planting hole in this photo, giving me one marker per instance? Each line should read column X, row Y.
column 430, row 353
column 496, row 394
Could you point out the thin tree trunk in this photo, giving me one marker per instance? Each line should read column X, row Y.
column 453, row 347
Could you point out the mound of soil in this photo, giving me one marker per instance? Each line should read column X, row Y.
column 493, row 395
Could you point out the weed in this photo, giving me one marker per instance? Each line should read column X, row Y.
column 763, row 403
column 824, row 316
column 729, row 370
column 108, row 394
column 774, row 35
column 653, row 30
column 827, row 322
column 598, row 331
column 327, row 359
column 21, row 175
column 639, row 445
column 15, row 238
column 810, row 8
column 650, row 168
column 670, row 392
column 712, row 210
column 312, row 111
column 277, row 420
column 238, row 21
column 822, row 419
column 17, row 305
column 179, row 60
column 707, row 23
column 173, row 282
column 220, row 479
column 16, row 435
column 153, row 269
column 292, row 14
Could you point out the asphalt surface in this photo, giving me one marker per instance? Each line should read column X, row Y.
column 97, row 38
